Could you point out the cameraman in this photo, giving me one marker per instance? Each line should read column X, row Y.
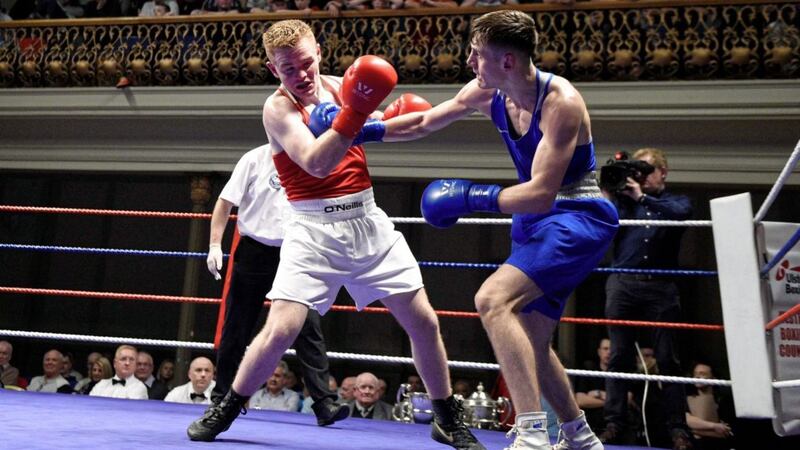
column 645, row 297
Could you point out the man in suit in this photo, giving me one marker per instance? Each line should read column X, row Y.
column 8, row 373
column 123, row 384
column 367, row 403
column 156, row 389
column 198, row 389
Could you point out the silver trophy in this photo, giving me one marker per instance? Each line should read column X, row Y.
column 480, row 411
column 412, row 407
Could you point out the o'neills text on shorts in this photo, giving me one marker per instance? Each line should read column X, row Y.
column 343, row 207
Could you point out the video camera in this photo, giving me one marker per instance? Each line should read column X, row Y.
column 614, row 175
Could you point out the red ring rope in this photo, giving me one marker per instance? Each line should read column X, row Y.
column 783, row 317
column 106, row 212
column 375, row 310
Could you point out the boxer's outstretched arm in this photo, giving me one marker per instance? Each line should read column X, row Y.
column 412, row 126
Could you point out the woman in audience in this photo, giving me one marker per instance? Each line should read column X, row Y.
column 101, row 369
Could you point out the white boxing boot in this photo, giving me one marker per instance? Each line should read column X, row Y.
column 577, row 435
column 531, row 431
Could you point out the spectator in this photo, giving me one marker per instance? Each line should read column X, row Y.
column 216, row 7
column 90, row 360
column 647, row 363
column 161, row 10
column 290, row 381
column 347, row 389
column 307, row 6
column 198, row 389
column 72, row 376
column 155, row 8
column 415, row 384
column 647, row 414
column 144, row 368
column 123, row 384
column 334, row 7
column 645, row 297
column 275, row 395
column 156, row 390
column 278, row 5
column 355, row 5
column 463, row 388
column 382, row 386
column 388, row 4
column 366, row 404
column 103, row 8
column 258, row 6
column 703, row 417
column 51, row 381
column 8, row 373
column 101, row 370
column 590, row 392
column 166, row 371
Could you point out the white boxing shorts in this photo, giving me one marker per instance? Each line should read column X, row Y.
column 345, row 241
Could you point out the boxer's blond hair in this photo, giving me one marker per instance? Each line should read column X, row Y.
column 285, row 34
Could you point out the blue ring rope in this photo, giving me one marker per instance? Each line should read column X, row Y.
column 781, row 253
column 104, row 251
column 462, row 265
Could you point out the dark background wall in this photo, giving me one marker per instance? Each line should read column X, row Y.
column 450, row 289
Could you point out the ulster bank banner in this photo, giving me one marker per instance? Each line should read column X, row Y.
column 783, row 293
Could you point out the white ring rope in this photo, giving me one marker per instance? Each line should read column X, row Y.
column 786, row 384
column 353, row 356
column 107, row 339
column 624, row 223
column 776, row 188
column 643, row 377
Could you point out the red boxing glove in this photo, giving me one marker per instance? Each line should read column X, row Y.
column 407, row 103
column 365, row 85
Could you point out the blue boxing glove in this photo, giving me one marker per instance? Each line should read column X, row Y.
column 444, row 201
column 322, row 117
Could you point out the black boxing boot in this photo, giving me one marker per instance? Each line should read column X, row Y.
column 448, row 425
column 218, row 417
column 328, row 411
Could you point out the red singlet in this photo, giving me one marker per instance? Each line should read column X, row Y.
column 348, row 177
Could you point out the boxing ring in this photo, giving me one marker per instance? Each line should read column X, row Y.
column 750, row 254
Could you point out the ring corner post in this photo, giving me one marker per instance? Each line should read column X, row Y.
column 742, row 306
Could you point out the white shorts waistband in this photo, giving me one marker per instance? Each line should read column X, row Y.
column 335, row 209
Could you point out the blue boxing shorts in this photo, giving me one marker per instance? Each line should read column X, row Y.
column 559, row 249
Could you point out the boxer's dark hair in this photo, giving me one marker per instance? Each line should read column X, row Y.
column 509, row 29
